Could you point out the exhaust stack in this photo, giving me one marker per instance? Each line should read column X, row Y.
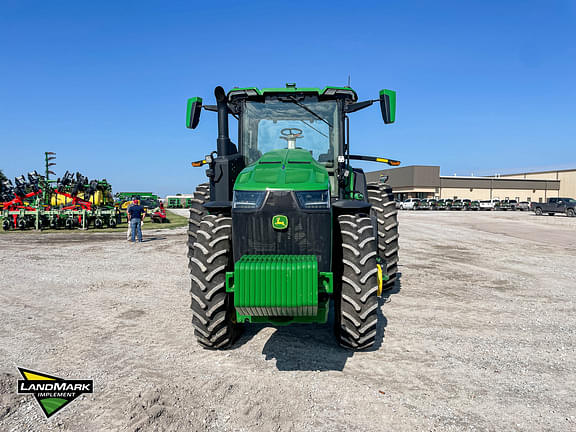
column 223, row 143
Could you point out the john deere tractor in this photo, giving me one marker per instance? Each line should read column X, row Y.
column 286, row 224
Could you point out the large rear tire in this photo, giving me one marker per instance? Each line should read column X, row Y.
column 356, row 297
column 384, row 207
column 212, row 307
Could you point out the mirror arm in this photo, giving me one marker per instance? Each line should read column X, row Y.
column 214, row 108
column 359, row 105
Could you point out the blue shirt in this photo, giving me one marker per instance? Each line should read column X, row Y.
column 135, row 211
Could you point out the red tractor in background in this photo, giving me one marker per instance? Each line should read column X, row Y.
column 158, row 215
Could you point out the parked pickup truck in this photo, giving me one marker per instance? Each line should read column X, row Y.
column 492, row 204
column 441, row 204
column 457, row 205
column 555, row 205
column 423, row 204
column 410, row 204
column 508, row 205
column 523, row 206
column 475, row 205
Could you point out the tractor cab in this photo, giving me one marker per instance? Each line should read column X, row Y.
column 311, row 119
column 286, row 120
column 288, row 223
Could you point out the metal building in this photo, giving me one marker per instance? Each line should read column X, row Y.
column 420, row 181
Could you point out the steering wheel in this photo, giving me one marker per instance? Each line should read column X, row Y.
column 291, row 133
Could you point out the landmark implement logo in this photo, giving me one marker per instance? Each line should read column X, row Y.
column 52, row 393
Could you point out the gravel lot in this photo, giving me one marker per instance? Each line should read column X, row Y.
column 479, row 334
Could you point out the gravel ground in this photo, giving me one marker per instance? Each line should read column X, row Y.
column 478, row 334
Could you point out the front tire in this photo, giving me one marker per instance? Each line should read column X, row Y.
column 382, row 200
column 197, row 212
column 356, row 299
column 213, row 315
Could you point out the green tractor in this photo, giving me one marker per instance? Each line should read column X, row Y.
column 285, row 223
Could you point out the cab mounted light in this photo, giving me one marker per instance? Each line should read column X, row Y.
column 208, row 159
column 199, row 163
column 332, row 91
column 250, row 92
column 390, row 162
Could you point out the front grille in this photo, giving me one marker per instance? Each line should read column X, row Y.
column 308, row 233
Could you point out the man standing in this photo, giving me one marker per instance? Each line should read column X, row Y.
column 128, row 231
column 135, row 215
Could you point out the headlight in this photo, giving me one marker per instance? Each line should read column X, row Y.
column 248, row 199
column 314, row 199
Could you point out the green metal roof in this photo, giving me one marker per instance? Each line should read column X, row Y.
column 326, row 91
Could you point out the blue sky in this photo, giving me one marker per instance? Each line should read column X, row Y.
column 483, row 86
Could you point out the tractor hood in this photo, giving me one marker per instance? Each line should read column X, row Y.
column 287, row 169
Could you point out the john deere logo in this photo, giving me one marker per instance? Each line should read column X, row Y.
column 51, row 393
column 280, row 222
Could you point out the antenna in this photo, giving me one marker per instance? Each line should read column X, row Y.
column 348, row 80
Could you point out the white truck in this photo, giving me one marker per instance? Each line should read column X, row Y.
column 410, row 204
column 492, row 204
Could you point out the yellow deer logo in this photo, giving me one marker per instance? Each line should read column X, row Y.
column 280, row 222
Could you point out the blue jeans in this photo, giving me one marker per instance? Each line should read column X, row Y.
column 135, row 226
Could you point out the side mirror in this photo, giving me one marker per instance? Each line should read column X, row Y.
column 193, row 112
column 388, row 105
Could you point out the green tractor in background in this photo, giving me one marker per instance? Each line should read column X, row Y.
column 286, row 223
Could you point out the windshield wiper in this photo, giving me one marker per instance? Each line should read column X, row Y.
column 318, row 116
column 310, row 126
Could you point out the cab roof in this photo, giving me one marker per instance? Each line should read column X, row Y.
column 328, row 92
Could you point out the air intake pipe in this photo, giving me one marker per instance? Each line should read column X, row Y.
column 223, row 144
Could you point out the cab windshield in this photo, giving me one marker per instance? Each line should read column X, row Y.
column 291, row 122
